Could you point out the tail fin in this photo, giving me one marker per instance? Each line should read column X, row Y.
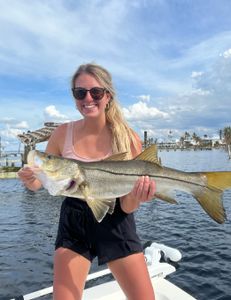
column 210, row 198
column 219, row 180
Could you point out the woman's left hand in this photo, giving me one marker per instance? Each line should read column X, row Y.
column 143, row 190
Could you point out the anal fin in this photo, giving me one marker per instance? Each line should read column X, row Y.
column 165, row 198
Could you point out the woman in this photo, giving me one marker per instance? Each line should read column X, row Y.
column 101, row 133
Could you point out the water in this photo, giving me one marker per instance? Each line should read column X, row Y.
column 29, row 224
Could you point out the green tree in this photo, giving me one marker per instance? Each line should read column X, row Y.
column 186, row 135
column 196, row 138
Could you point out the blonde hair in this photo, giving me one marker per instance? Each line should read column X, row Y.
column 123, row 137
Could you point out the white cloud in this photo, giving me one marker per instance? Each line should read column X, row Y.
column 22, row 125
column 10, row 133
column 7, row 120
column 12, row 122
column 227, row 53
column 200, row 92
column 145, row 98
column 196, row 74
column 53, row 115
column 58, row 34
column 141, row 111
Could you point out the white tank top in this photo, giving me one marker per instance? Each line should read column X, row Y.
column 68, row 147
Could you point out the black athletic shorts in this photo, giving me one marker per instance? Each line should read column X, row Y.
column 114, row 237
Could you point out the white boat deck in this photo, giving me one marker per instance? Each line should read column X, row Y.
column 164, row 290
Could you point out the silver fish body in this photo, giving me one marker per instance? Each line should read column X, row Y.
column 100, row 183
column 110, row 179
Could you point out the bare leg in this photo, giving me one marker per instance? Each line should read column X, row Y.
column 132, row 275
column 70, row 273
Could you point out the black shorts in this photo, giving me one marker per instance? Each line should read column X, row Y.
column 114, row 237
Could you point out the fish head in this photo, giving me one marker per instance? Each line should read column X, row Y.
column 52, row 165
column 60, row 176
column 43, row 161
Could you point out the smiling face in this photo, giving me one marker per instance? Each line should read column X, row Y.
column 89, row 107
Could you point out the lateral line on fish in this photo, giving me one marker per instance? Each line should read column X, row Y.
column 156, row 176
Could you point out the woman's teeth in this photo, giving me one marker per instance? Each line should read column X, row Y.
column 89, row 106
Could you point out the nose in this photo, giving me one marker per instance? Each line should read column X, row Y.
column 88, row 97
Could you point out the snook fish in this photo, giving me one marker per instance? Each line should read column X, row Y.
column 100, row 183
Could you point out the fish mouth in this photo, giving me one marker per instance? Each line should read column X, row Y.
column 71, row 186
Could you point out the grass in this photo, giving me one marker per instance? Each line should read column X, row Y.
column 9, row 169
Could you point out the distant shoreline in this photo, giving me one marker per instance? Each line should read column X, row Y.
column 9, row 172
column 8, row 175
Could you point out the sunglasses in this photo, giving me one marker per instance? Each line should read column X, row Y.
column 96, row 93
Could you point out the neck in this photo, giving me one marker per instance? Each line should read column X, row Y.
column 92, row 126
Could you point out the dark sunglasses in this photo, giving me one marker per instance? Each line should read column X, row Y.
column 96, row 93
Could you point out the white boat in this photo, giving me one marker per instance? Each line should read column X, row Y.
column 158, row 270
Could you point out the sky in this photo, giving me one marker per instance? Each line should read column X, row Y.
column 170, row 61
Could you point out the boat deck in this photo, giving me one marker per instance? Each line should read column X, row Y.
column 164, row 290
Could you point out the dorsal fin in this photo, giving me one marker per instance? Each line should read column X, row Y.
column 117, row 156
column 149, row 154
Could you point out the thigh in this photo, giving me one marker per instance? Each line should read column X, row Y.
column 70, row 273
column 132, row 275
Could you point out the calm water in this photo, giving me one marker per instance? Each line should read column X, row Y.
column 29, row 223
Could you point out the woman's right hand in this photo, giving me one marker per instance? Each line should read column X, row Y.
column 27, row 175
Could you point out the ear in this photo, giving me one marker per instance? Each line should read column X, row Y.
column 109, row 96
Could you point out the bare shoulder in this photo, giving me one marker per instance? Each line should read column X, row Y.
column 56, row 140
column 60, row 130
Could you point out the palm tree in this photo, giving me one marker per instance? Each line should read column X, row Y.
column 196, row 138
column 186, row 135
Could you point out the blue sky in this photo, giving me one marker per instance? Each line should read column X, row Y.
column 170, row 61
